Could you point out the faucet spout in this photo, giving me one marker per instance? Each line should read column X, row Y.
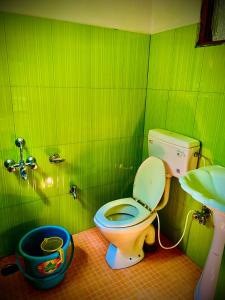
column 23, row 173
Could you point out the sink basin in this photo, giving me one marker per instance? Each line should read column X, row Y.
column 207, row 186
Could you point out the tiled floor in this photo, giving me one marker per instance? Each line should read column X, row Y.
column 162, row 275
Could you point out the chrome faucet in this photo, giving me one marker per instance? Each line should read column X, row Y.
column 11, row 166
column 203, row 215
column 73, row 191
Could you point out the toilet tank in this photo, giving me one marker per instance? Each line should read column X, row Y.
column 176, row 150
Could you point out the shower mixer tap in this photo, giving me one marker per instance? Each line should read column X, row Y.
column 12, row 166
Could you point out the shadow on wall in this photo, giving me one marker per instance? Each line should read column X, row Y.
column 35, row 181
column 15, row 232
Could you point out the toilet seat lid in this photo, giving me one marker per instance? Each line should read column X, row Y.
column 149, row 182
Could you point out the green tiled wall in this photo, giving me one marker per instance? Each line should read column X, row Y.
column 186, row 94
column 78, row 91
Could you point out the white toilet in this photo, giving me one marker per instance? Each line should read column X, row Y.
column 126, row 223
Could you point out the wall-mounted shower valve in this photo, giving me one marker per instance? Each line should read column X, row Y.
column 11, row 166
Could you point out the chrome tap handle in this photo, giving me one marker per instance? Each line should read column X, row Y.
column 31, row 161
column 20, row 142
column 10, row 165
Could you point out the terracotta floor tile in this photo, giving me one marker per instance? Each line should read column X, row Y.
column 166, row 275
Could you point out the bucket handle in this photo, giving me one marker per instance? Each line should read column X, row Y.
column 64, row 269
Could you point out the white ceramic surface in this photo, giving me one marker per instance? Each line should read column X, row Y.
column 207, row 185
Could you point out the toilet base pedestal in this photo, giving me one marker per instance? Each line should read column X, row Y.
column 117, row 260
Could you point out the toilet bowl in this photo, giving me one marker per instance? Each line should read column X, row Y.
column 126, row 223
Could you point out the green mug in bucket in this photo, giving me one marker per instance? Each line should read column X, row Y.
column 49, row 246
column 53, row 244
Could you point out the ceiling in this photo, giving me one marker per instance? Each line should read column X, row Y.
column 147, row 16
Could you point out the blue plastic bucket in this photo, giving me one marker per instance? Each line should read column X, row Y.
column 44, row 271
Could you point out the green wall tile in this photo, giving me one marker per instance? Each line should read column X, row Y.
column 89, row 114
column 73, row 125
column 35, row 115
column 175, row 63
column 213, row 73
column 145, row 148
column 87, row 165
column 161, row 60
column 196, row 248
column 156, row 109
column 116, row 113
column 4, row 75
column 15, row 191
column 56, row 53
column 118, row 58
column 187, row 60
column 6, row 118
column 71, row 54
column 117, row 163
column 29, row 50
column 178, row 103
column 209, row 125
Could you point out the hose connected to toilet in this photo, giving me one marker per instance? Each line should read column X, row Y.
column 185, row 227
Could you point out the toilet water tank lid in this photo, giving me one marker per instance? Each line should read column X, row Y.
column 149, row 182
column 165, row 136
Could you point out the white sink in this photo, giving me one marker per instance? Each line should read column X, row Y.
column 207, row 185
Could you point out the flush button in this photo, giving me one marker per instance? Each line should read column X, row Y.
column 180, row 153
